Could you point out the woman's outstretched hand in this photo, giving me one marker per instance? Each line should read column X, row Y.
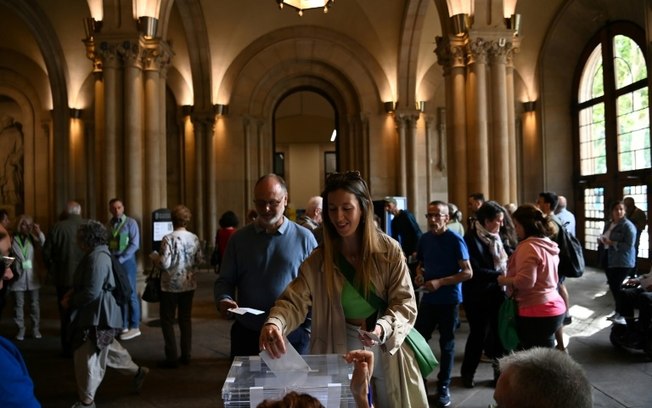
column 271, row 340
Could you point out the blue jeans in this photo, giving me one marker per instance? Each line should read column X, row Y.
column 443, row 317
column 131, row 311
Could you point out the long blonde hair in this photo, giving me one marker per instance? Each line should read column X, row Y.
column 367, row 233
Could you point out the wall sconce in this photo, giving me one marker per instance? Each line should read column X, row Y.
column 461, row 24
column 221, row 110
column 75, row 113
column 390, row 106
column 147, row 26
column 529, row 106
column 513, row 23
column 186, row 110
column 421, row 106
column 91, row 27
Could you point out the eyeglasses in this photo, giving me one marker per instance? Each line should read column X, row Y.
column 438, row 215
column 8, row 260
column 265, row 203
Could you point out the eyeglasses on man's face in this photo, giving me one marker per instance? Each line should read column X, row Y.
column 438, row 215
column 267, row 203
column 8, row 260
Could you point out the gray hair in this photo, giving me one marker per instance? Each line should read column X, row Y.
column 545, row 377
column 73, row 208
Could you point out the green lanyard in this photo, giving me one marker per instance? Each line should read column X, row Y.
column 116, row 230
column 24, row 246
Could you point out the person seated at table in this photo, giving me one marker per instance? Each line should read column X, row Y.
column 637, row 294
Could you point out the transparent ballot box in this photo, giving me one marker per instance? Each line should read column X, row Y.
column 250, row 381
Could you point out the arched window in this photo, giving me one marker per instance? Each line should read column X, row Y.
column 613, row 128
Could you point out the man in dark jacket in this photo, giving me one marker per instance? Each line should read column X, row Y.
column 62, row 255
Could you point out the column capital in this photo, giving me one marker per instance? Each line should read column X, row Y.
column 450, row 52
column 92, row 55
column 109, row 54
column 407, row 116
column 477, row 51
column 157, row 55
column 132, row 54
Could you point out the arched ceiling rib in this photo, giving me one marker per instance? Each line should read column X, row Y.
column 287, row 46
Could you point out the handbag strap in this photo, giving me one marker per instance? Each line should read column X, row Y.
column 349, row 273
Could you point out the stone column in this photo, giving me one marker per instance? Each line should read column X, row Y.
column 133, row 131
column 500, row 143
column 431, row 156
column 109, row 148
column 408, row 132
column 152, row 179
column 163, row 158
column 511, row 129
column 250, row 132
column 451, row 55
column 401, row 127
column 477, row 118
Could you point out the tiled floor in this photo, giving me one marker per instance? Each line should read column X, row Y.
column 620, row 379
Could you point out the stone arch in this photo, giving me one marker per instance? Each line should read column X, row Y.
column 321, row 47
column 413, row 20
column 45, row 36
column 194, row 25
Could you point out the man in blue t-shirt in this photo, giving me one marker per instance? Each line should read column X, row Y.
column 443, row 265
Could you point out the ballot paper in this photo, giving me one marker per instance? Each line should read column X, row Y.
column 245, row 310
column 370, row 335
column 290, row 368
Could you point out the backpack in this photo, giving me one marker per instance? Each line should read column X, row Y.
column 571, row 255
column 122, row 291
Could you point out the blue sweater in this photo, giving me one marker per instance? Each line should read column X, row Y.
column 260, row 266
column 16, row 387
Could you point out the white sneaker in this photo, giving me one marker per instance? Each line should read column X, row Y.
column 37, row 334
column 21, row 335
column 130, row 334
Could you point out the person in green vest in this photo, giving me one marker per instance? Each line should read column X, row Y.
column 124, row 242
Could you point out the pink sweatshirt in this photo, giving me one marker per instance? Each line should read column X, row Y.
column 533, row 267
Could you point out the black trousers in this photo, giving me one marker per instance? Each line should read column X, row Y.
column 483, row 335
column 170, row 302
column 64, row 318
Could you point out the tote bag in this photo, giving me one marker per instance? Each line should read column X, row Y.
column 507, row 324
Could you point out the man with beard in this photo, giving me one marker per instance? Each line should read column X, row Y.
column 261, row 259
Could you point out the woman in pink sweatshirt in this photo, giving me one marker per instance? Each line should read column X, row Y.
column 532, row 278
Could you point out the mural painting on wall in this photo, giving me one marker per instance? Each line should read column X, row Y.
column 11, row 165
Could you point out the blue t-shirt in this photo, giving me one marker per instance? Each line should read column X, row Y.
column 441, row 256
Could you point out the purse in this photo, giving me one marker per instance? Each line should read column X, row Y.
column 507, row 324
column 152, row 292
column 422, row 352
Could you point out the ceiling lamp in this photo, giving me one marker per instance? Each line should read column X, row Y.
column 306, row 4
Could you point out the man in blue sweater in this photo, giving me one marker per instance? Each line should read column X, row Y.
column 261, row 259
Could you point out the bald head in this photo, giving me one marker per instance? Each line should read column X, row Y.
column 561, row 202
column 73, row 208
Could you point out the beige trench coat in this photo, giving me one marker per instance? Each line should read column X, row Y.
column 404, row 383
